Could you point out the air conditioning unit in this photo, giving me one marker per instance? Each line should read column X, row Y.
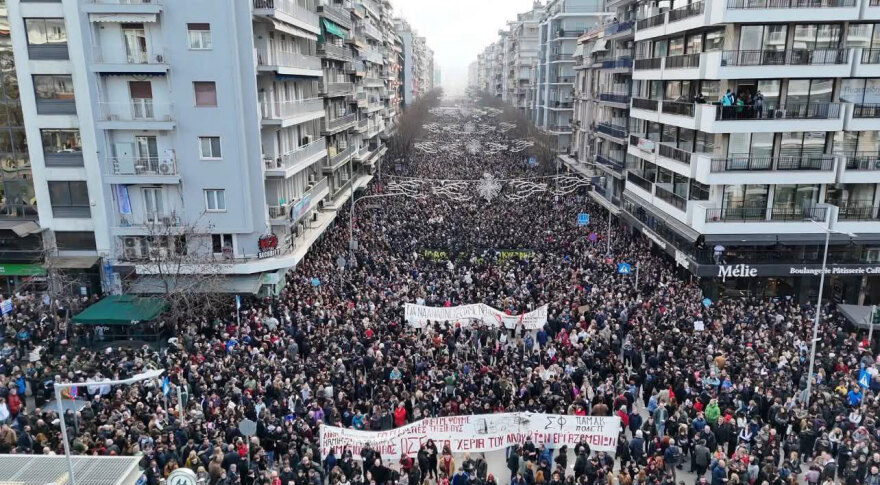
column 166, row 167
column 130, row 242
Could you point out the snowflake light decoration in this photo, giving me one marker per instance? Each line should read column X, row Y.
column 473, row 147
column 469, row 128
column 488, row 188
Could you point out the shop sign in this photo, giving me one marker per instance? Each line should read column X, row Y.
column 268, row 246
column 653, row 237
column 835, row 270
column 764, row 270
column 737, row 271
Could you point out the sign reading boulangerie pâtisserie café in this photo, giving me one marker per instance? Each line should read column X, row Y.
column 726, row 271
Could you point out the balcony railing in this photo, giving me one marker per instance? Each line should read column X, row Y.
column 292, row 108
column 155, row 56
column 336, row 88
column 794, row 111
column 565, row 56
column 747, row 4
column 871, row 56
column 621, row 98
column 617, row 63
column 683, row 61
column 334, row 51
column 567, row 33
column 858, row 210
column 612, row 130
column 762, row 214
column 678, row 108
column 126, row 2
column 289, row 7
column 690, row 10
column 609, row 161
column 650, row 63
column 866, row 111
column 141, row 166
column 341, row 156
column 649, row 22
column 799, row 57
column 295, row 157
column 639, row 181
column 619, row 27
column 287, row 59
column 337, row 14
column 863, row 161
column 746, row 163
column 136, row 110
column 338, row 123
column 646, row 104
column 671, row 198
column 674, row 153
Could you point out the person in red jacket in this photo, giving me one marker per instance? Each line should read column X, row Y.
column 13, row 402
column 399, row 416
column 624, row 417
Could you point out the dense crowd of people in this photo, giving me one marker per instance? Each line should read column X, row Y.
column 728, row 403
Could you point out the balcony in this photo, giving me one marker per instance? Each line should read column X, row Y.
column 639, row 181
column 687, row 11
column 138, row 222
column 563, row 57
column 611, row 130
column 371, row 31
column 139, row 62
column 292, row 112
column 294, row 211
column 765, row 214
column 682, row 62
column 615, row 98
column 671, row 198
column 673, row 153
column 608, row 161
column 338, row 15
column 647, row 64
column 136, row 114
column 48, row 52
column 296, row 160
column 141, row 170
column 374, row 82
column 372, row 55
column 289, row 63
column 333, row 51
column 619, row 28
column 805, row 168
column 622, row 62
column 858, row 210
column 645, row 104
column 339, row 124
column 791, row 10
column 678, row 108
column 790, row 117
column 288, row 11
column 336, row 89
column 860, row 168
column 339, row 159
column 123, row 7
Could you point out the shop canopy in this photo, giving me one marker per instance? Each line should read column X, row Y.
column 333, row 29
column 121, row 310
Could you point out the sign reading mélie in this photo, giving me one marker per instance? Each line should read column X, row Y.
column 760, row 270
column 477, row 434
column 419, row 315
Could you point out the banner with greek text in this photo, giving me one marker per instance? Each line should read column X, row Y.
column 476, row 434
column 419, row 315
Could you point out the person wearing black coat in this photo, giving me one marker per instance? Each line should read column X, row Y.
column 513, row 461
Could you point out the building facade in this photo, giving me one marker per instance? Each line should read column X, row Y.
column 235, row 149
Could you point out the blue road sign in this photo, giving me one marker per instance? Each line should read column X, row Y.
column 583, row 219
column 624, row 268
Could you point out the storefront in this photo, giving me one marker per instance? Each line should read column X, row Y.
column 17, row 277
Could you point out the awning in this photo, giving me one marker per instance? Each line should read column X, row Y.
column 815, row 238
column 21, row 269
column 123, row 18
column 601, row 46
column 579, row 51
column 72, row 262
column 858, row 315
column 682, row 229
column 121, row 310
column 741, row 239
column 106, row 73
column 296, row 31
column 333, row 29
column 21, row 228
column 229, row 284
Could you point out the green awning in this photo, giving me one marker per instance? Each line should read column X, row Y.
column 333, row 29
column 121, row 310
column 21, row 269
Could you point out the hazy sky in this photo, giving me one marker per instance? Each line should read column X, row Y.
column 458, row 30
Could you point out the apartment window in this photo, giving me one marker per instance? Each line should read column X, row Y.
column 221, row 243
column 763, row 37
column 215, row 200
column 816, row 36
column 54, row 94
column 209, row 147
column 69, row 199
column 860, row 91
column 206, row 93
column 698, row 191
column 62, row 148
column 854, row 143
column 199, row 36
column 751, row 197
column 788, row 197
column 46, row 38
column 809, row 91
column 75, row 240
column 154, row 208
column 863, row 35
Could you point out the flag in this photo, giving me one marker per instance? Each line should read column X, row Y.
column 74, row 391
column 166, row 386
column 238, row 302
column 6, row 306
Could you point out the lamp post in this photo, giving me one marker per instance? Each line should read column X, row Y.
column 828, row 232
column 150, row 374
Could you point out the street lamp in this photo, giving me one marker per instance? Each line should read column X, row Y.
column 828, row 232
column 144, row 376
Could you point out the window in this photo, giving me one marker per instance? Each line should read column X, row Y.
column 153, row 206
column 62, row 148
column 199, row 36
column 45, row 32
column 206, row 93
column 69, row 199
column 221, row 243
column 55, row 88
column 209, row 147
column 215, row 200
column 75, row 240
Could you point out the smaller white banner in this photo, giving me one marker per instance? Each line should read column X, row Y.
column 419, row 315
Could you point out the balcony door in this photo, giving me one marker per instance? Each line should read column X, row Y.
column 147, row 154
column 135, row 39
column 141, row 99
column 153, row 206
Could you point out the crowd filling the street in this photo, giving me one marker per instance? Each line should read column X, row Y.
column 706, row 392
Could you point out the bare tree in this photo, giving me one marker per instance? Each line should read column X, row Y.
column 409, row 125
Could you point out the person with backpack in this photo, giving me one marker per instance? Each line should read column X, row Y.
column 671, row 458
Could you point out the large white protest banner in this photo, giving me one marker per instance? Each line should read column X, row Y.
column 477, row 433
column 419, row 315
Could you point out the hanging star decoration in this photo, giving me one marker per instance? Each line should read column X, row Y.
column 488, row 187
column 473, row 146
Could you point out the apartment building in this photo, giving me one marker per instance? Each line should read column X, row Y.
column 742, row 191
column 562, row 23
column 603, row 84
column 236, row 149
column 21, row 245
column 523, row 59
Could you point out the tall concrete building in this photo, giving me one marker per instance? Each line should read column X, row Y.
column 523, row 59
column 418, row 64
column 231, row 132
